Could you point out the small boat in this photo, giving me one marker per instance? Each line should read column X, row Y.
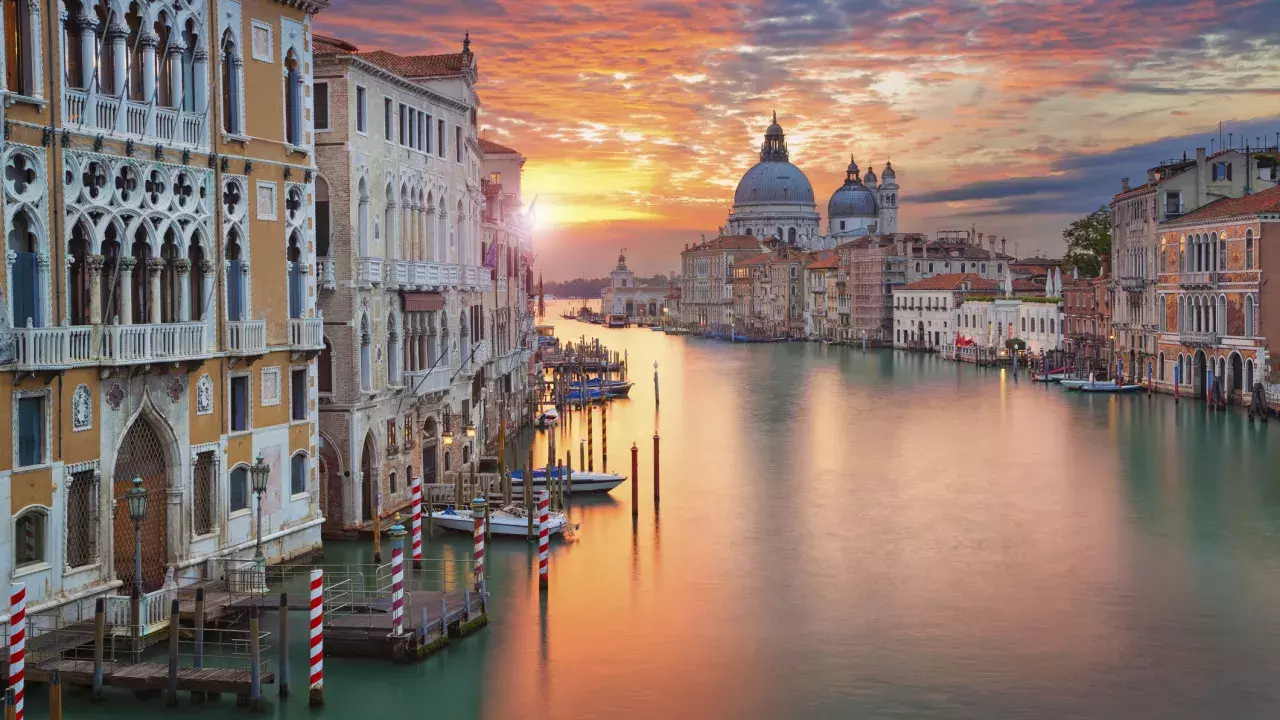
column 548, row 418
column 613, row 388
column 510, row 521
column 657, row 328
column 582, row 481
column 676, row 331
column 592, row 394
column 617, row 321
column 1108, row 387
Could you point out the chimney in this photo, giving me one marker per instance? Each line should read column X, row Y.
column 1151, row 176
column 1106, row 262
column 1003, row 241
column 1124, row 185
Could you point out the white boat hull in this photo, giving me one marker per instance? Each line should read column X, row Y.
column 500, row 523
column 583, row 482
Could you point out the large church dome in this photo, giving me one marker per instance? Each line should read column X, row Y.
column 774, row 180
column 852, row 199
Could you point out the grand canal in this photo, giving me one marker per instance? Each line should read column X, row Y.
column 854, row 535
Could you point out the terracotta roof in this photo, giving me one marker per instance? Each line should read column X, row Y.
column 489, row 146
column 760, row 259
column 1035, row 262
column 728, row 242
column 1260, row 202
column 1133, row 191
column 954, row 281
column 407, row 66
column 822, row 260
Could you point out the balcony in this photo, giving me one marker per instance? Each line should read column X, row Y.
column 475, row 359
column 1198, row 280
column 247, row 337
column 53, row 347
column 306, row 333
column 369, row 271
column 1130, row 283
column 95, row 111
column 1206, row 338
column 511, row 361
column 133, row 344
column 426, row 382
column 324, row 273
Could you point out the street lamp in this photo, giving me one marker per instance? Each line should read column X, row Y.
column 258, row 473
column 137, row 496
column 447, row 435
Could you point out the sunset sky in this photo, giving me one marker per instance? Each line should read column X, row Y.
column 638, row 117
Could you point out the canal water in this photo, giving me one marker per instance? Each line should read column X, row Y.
column 855, row 535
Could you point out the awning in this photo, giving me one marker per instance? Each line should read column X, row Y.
column 422, row 301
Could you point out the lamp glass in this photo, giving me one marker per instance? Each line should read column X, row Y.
column 137, row 501
column 471, row 430
column 259, row 472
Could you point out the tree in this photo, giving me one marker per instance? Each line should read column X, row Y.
column 1088, row 239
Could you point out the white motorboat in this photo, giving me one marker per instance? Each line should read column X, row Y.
column 582, row 481
column 548, row 418
column 510, row 521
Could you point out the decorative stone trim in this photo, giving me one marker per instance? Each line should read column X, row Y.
column 47, row 394
column 204, row 395
column 270, row 386
column 82, row 409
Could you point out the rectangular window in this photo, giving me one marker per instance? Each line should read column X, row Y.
column 298, row 474
column 413, row 138
column 240, row 403
column 440, row 138
column 362, row 125
column 404, row 111
column 457, row 143
column 82, row 518
column 1173, row 203
column 322, row 106
column 427, row 145
column 239, row 490
column 422, row 133
column 31, row 449
column 204, row 494
column 298, row 394
column 387, row 120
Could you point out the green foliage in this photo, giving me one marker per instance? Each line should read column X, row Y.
column 1088, row 239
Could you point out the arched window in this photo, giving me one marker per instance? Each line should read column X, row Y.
column 78, row 283
column 1160, row 368
column 1182, row 253
column 1051, row 331
column 230, row 85
column 238, row 488
column 1248, row 316
column 29, row 542
column 133, row 53
column 169, row 279
column 161, row 66
column 294, row 257
column 362, row 219
column 73, row 59
column 747, row 231
column 106, row 67
column 1248, row 375
column 19, row 47
column 394, row 351
column 186, row 88
column 389, row 222
column 198, row 300
column 791, row 236
column 24, row 275
column 1248, row 249
column 298, row 474
column 236, row 291
column 1042, row 326
column 322, row 217
column 1024, row 323
column 366, row 360
column 293, row 99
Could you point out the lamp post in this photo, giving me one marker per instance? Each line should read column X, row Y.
column 258, row 473
column 137, row 496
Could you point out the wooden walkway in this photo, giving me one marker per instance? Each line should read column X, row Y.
column 146, row 676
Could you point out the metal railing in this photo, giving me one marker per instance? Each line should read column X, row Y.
column 1198, row 280
column 1199, row 338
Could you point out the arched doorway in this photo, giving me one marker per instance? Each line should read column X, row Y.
column 920, row 335
column 368, row 477
column 1237, row 373
column 1199, row 372
column 330, row 469
column 141, row 455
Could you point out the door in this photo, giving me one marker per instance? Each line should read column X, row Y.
column 429, row 464
column 368, row 493
column 142, row 454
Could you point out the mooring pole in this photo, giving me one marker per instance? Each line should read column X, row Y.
column 283, row 642
column 542, row 539
column 99, row 640
column 582, row 454
column 174, row 633
column 397, row 578
column 656, row 464
column 655, row 382
column 477, row 518
column 377, row 517
column 55, row 695
column 255, row 660
column 591, row 450
column 316, row 633
column 568, row 464
column 604, row 436
column 635, row 480
column 416, row 523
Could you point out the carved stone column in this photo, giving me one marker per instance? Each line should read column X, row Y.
column 200, row 65
column 182, row 267
column 42, row 271
column 208, row 271
column 95, row 263
column 117, row 34
column 87, row 27
column 149, row 41
column 175, row 72
column 154, row 267
column 126, row 290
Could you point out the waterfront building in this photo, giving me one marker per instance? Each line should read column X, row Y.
column 625, row 297
column 426, row 273
column 774, row 199
column 1173, row 188
column 707, row 278
column 869, row 269
column 821, row 270
column 1215, row 303
column 924, row 312
column 933, row 313
column 955, row 251
column 1086, row 333
column 136, row 343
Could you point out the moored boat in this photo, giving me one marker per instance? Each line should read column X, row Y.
column 582, row 481
column 1108, row 387
column 510, row 521
column 548, row 418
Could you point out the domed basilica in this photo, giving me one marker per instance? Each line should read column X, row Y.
column 775, row 200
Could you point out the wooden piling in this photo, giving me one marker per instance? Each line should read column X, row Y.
column 591, row 451
column 255, row 660
column 55, row 695
column 99, row 642
column 377, row 519
column 568, row 476
column 582, row 455
column 656, row 484
column 174, row 632
column 604, row 436
column 10, row 709
column 283, row 643
column 635, row 482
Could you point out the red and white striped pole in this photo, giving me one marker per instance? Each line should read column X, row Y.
column 544, row 501
column 17, row 645
column 397, row 534
column 317, row 638
column 478, row 507
column 416, row 524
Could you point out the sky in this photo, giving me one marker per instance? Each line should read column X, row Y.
column 1013, row 117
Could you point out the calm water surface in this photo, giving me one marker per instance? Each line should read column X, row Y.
column 866, row 535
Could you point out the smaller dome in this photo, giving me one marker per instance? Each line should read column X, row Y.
column 888, row 175
column 774, row 129
column 852, row 200
column 870, row 177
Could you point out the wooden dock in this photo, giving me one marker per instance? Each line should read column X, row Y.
column 367, row 633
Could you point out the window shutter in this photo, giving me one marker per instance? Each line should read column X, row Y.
column 25, row 290
column 30, row 430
